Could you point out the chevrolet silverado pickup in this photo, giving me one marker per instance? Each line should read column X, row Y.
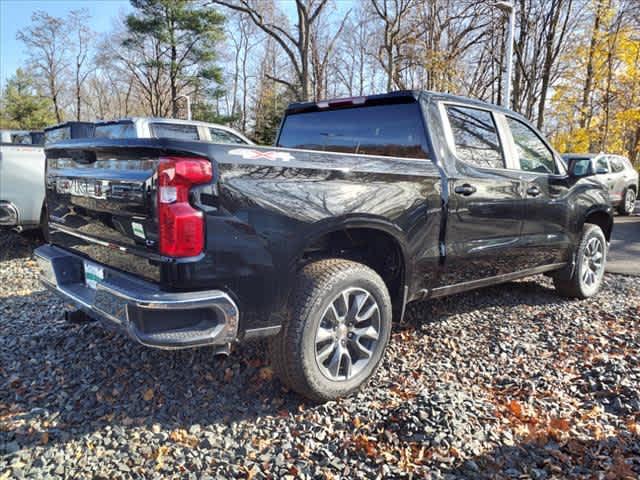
column 319, row 242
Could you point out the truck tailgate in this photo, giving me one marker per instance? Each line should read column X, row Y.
column 101, row 199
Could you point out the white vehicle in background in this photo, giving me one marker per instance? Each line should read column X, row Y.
column 22, row 163
column 22, row 160
column 21, row 179
column 152, row 127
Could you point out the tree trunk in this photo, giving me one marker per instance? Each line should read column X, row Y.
column 585, row 113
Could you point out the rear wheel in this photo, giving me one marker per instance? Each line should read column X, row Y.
column 628, row 203
column 591, row 257
column 337, row 332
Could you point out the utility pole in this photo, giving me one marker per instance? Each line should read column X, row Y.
column 508, row 8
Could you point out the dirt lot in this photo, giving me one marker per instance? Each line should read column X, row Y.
column 506, row 382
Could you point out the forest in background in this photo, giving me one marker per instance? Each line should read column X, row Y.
column 576, row 72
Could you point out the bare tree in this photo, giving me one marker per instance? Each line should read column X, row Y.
column 392, row 13
column 244, row 38
column 46, row 40
column 296, row 45
column 80, row 36
column 323, row 42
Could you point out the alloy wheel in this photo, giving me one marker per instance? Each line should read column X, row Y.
column 592, row 262
column 348, row 334
column 629, row 201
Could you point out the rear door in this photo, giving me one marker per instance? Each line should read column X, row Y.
column 545, row 239
column 603, row 173
column 486, row 202
column 618, row 178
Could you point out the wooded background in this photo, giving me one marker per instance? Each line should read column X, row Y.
column 576, row 68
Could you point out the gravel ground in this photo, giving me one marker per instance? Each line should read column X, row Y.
column 506, row 382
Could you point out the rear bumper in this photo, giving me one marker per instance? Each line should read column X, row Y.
column 8, row 214
column 150, row 316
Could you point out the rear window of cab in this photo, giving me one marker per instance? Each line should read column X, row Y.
column 394, row 130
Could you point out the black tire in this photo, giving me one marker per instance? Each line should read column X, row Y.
column 577, row 285
column 294, row 351
column 627, row 205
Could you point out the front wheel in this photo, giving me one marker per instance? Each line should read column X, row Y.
column 337, row 332
column 590, row 261
column 628, row 203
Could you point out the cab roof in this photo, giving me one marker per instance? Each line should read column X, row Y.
column 399, row 96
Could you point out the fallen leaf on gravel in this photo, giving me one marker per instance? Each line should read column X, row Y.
column 162, row 451
column 265, row 374
column 515, row 408
column 634, row 427
column 367, row 446
column 44, row 438
column 148, row 395
column 559, row 424
column 181, row 436
column 357, row 422
column 251, row 473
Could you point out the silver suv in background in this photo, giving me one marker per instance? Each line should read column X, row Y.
column 151, row 127
column 615, row 171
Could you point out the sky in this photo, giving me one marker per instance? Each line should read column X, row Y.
column 16, row 14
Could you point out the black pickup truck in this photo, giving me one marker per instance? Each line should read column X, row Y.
column 363, row 205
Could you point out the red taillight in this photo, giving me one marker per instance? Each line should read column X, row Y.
column 180, row 226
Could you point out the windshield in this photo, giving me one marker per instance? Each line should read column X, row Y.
column 390, row 130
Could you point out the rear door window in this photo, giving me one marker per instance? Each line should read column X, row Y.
column 175, row 130
column 533, row 153
column 475, row 136
column 616, row 164
column 394, row 130
column 222, row 136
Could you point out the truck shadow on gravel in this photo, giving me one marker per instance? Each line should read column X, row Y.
column 14, row 246
column 612, row 457
column 71, row 380
column 532, row 292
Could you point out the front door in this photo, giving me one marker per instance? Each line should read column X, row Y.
column 485, row 204
column 545, row 239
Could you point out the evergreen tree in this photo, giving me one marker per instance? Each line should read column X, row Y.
column 187, row 34
column 22, row 107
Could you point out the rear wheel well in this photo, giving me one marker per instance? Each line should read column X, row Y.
column 603, row 220
column 378, row 250
column 633, row 187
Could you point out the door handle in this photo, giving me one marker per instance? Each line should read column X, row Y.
column 465, row 189
column 533, row 191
